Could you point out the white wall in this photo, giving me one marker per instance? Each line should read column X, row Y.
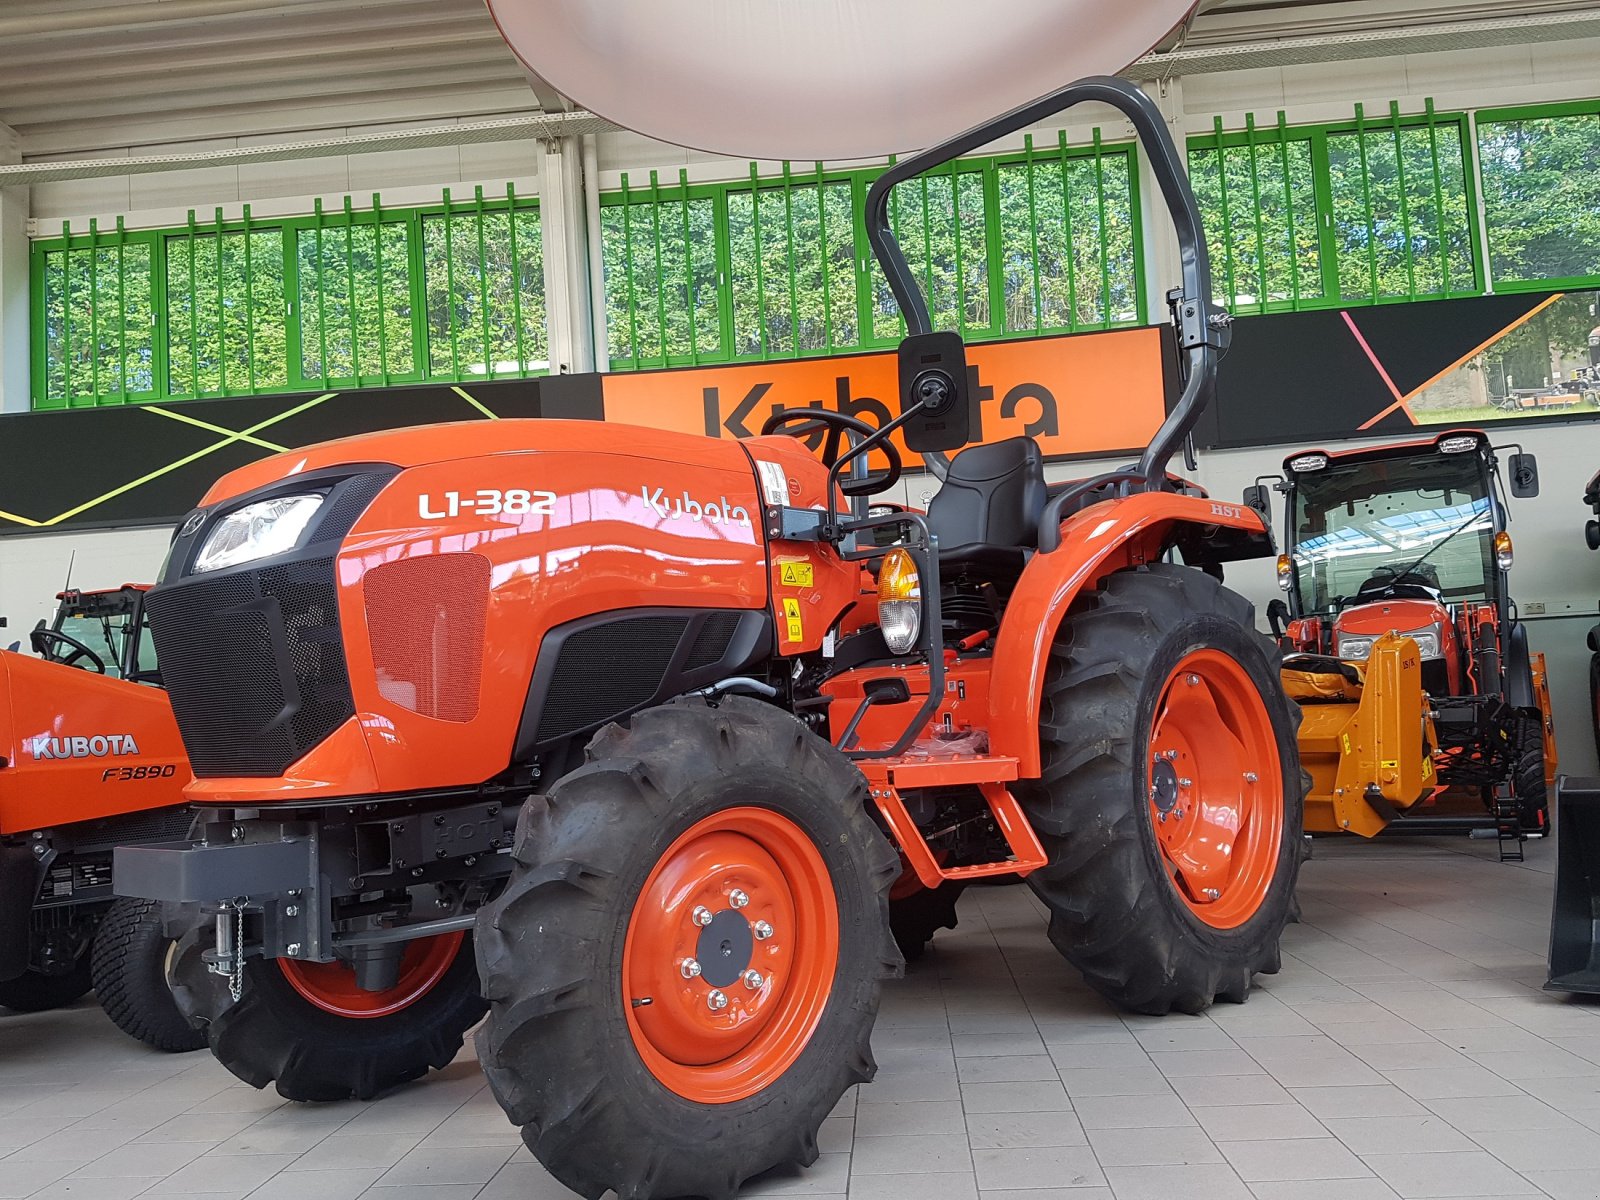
column 34, row 568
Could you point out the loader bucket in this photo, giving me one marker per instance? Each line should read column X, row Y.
column 1575, row 921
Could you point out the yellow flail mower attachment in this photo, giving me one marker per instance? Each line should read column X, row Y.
column 1366, row 736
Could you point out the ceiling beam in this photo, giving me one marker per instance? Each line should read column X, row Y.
column 551, row 125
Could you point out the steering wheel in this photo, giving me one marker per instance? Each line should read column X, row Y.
column 45, row 640
column 837, row 424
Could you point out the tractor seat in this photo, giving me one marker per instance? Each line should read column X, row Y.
column 986, row 514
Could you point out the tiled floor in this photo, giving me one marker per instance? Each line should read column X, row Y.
column 1405, row 1050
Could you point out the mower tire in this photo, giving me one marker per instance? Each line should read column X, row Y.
column 916, row 916
column 34, row 991
column 306, row 1028
column 684, row 969
column 130, row 964
column 1171, row 797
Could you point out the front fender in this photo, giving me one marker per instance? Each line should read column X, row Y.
column 1105, row 537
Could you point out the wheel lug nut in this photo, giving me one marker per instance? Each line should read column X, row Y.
column 689, row 968
column 1191, row 680
column 762, row 931
column 1185, row 781
column 737, row 898
column 701, row 915
column 1211, row 893
column 1250, row 776
column 753, row 980
column 716, row 1000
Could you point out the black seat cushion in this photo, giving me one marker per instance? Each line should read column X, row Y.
column 986, row 514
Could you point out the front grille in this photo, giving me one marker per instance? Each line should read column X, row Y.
column 128, row 829
column 254, row 665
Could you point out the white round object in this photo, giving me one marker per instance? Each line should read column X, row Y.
column 821, row 80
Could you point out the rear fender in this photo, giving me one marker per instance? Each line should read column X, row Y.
column 1111, row 536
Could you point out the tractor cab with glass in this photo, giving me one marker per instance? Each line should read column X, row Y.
column 1396, row 573
column 104, row 631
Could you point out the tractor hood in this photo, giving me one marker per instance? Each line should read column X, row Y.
column 1426, row 621
column 78, row 746
column 386, row 642
column 454, row 441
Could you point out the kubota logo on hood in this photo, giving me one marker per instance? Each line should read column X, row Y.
column 670, row 508
column 97, row 745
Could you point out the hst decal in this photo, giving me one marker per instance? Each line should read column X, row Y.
column 487, row 502
column 97, row 745
column 670, row 508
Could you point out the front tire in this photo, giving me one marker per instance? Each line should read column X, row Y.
column 130, row 965
column 308, row 1029
column 1533, row 801
column 1170, row 801
column 625, row 1034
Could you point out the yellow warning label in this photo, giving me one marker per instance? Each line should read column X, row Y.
column 791, row 616
column 1345, row 738
column 1427, row 767
column 1390, row 764
column 796, row 574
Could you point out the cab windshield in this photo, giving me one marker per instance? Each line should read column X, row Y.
column 106, row 636
column 1362, row 525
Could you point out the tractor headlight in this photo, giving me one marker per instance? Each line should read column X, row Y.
column 1502, row 550
column 257, row 530
column 1355, row 649
column 899, row 601
column 1427, row 641
column 1285, row 572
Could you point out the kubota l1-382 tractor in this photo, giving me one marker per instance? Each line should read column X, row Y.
column 90, row 759
column 579, row 700
column 1423, row 705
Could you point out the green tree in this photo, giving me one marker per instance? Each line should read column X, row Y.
column 1541, row 196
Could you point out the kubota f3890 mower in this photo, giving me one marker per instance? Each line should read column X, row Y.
column 573, row 698
column 90, row 759
column 1422, row 703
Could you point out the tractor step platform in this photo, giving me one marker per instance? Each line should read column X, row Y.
column 888, row 777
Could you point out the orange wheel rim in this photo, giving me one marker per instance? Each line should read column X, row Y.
column 332, row 986
column 1216, row 788
column 730, row 955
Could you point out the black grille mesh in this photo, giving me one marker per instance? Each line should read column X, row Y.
column 608, row 670
column 711, row 643
column 157, row 825
column 254, row 665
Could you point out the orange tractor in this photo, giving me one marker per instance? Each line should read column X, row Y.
column 90, row 759
column 576, row 701
column 1424, row 707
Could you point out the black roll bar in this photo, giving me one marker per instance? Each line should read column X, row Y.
column 1202, row 326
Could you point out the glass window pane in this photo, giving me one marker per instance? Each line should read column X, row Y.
column 99, row 324
column 355, row 315
column 1250, row 242
column 1393, row 235
column 806, row 284
column 1084, row 275
column 948, row 251
column 225, row 318
column 1541, row 196
column 483, row 287
column 660, row 262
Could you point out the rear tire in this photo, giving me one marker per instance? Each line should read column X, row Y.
column 916, row 916
column 274, row 1034
column 1126, row 672
column 666, row 1097
column 33, row 991
column 130, row 969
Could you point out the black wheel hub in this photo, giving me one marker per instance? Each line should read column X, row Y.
column 1163, row 786
column 725, row 948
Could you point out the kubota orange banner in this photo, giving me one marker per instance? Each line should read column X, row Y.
column 1084, row 394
